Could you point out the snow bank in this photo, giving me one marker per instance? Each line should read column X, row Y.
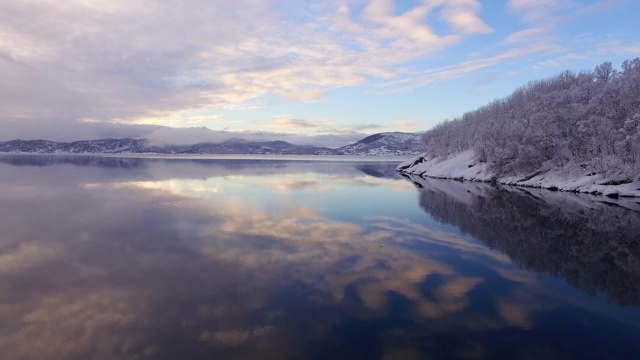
column 462, row 167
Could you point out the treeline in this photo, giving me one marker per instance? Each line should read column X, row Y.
column 590, row 119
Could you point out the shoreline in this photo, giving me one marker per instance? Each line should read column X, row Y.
column 462, row 167
column 279, row 157
column 611, row 195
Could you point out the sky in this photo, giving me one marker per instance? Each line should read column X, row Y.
column 309, row 72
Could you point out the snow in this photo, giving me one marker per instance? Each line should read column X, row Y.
column 385, row 144
column 466, row 192
column 462, row 167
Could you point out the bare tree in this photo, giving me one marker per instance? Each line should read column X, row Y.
column 604, row 72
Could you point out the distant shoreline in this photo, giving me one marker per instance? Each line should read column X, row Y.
column 327, row 158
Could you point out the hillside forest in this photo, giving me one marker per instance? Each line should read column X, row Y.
column 587, row 121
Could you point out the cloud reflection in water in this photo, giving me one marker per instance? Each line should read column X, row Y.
column 157, row 265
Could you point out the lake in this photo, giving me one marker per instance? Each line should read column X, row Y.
column 204, row 258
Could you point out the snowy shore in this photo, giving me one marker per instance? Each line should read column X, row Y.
column 463, row 167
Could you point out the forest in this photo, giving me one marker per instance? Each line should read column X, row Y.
column 588, row 121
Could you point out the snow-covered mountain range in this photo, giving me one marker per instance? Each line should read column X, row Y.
column 389, row 144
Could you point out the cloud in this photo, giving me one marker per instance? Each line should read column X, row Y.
column 332, row 140
column 366, row 129
column 187, row 136
column 548, row 14
column 460, row 69
column 331, row 136
column 559, row 61
column 397, row 125
column 120, row 61
column 289, row 122
column 404, row 125
column 539, row 11
column 169, row 63
column 304, row 95
column 462, row 15
column 618, row 47
column 72, row 130
column 531, row 34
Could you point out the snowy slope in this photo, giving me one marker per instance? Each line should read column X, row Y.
column 388, row 143
column 462, row 166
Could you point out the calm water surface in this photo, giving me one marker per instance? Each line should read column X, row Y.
column 116, row 258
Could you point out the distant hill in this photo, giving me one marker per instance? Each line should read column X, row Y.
column 387, row 143
column 142, row 146
column 379, row 144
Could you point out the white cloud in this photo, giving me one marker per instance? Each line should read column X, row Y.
column 430, row 76
column 329, row 134
column 154, row 61
column 172, row 63
column 462, row 15
column 289, row 122
column 533, row 34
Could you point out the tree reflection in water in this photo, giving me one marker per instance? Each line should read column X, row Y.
column 592, row 242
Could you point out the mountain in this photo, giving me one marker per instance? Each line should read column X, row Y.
column 109, row 146
column 378, row 144
column 241, row 146
column 387, row 143
column 137, row 146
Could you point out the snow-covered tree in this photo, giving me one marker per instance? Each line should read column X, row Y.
column 590, row 119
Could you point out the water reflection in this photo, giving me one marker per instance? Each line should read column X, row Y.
column 591, row 242
column 200, row 259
